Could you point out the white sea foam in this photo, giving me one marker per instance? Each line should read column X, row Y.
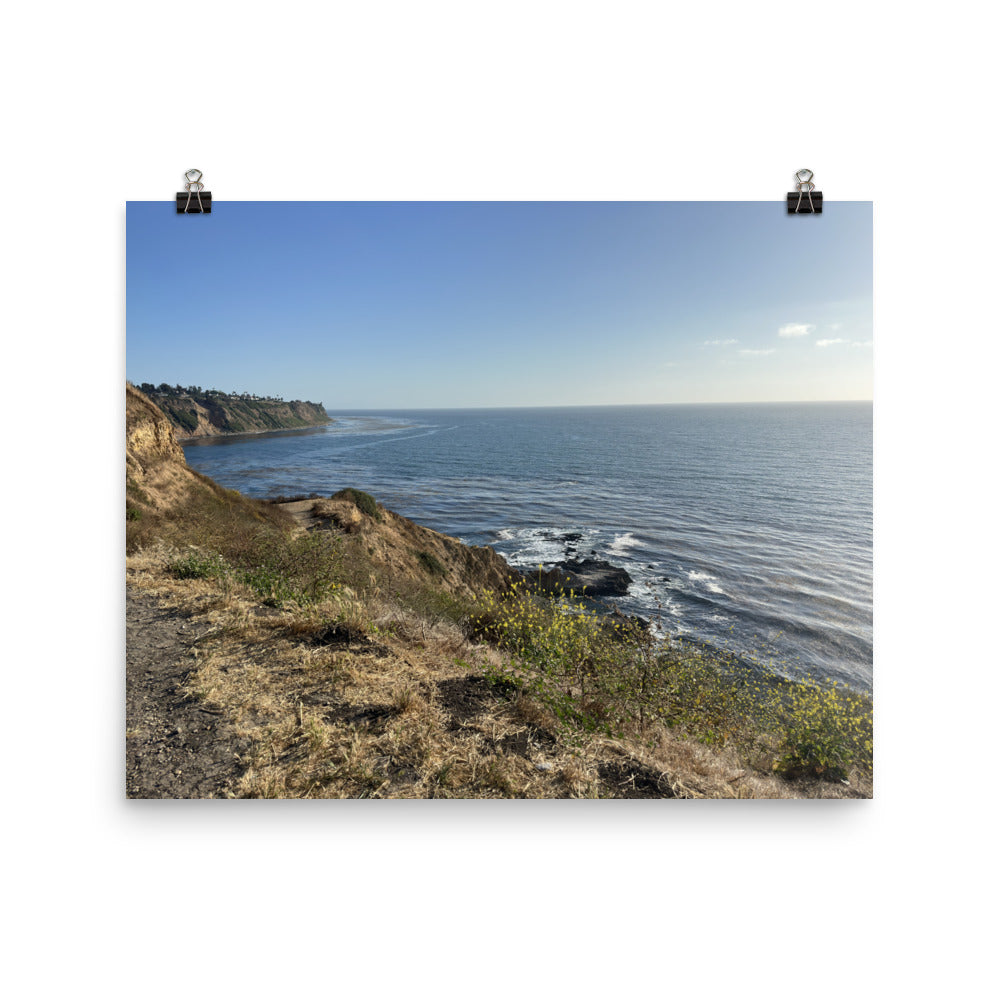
column 711, row 582
column 531, row 546
column 651, row 596
column 623, row 543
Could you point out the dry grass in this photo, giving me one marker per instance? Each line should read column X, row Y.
column 363, row 697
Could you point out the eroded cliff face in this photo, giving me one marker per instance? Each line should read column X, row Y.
column 209, row 416
column 157, row 477
column 149, row 436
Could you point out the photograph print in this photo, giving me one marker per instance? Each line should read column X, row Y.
column 478, row 500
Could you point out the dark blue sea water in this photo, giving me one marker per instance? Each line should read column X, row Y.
column 747, row 526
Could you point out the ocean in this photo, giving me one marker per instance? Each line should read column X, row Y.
column 746, row 526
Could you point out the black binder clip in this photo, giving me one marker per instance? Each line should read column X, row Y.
column 201, row 203
column 813, row 203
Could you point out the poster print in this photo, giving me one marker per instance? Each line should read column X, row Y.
column 499, row 500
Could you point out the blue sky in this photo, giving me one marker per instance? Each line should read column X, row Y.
column 378, row 305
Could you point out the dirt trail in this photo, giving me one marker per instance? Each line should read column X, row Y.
column 302, row 511
column 174, row 747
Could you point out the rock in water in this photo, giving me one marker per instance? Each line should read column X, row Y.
column 594, row 577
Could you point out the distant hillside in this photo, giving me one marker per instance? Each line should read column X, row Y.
column 195, row 412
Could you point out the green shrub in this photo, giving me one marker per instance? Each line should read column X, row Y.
column 188, row 419
column 269, row 584
column 431, row 563
column 200, row 566
column 302, row 570
column 566, row 656
column 597, row 674
column 826, row 731
column 365, row 502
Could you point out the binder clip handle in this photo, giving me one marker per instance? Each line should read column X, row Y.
column 193, row 185
column 804, row 185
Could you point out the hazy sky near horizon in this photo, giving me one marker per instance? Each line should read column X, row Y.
column 379, row 305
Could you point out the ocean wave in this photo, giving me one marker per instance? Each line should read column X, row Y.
column 711, row 582
column 531, row 546
column 381, row 441
column 654, row 600
column 623, row 542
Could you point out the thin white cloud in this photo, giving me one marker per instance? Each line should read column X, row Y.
column 861, row 343
column 795, row 329
column 720, row 343
column 749, row 351
column 835, row 326
column 828, row 343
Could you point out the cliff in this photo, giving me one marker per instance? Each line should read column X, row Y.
column 399, row 550
column 195, row 415
column 167, row 499
column 156, row 475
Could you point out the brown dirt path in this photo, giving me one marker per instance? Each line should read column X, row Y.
column 174, row 747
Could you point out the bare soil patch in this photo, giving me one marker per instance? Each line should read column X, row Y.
column 630, row 780
column 464, row 698
column 175, row 747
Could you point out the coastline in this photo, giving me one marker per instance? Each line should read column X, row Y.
column 783, row 581
column 195, row 413
column 371, row 656
column 235, row 435
column 737, row 667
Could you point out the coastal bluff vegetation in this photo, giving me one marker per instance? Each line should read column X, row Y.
column 196, row 413
column 327, row 647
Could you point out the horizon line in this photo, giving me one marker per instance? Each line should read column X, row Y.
column 595, row 406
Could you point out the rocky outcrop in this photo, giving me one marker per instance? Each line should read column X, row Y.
column 156, row 475
column 592, row 577
column 149, row 437
column 588, row 577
